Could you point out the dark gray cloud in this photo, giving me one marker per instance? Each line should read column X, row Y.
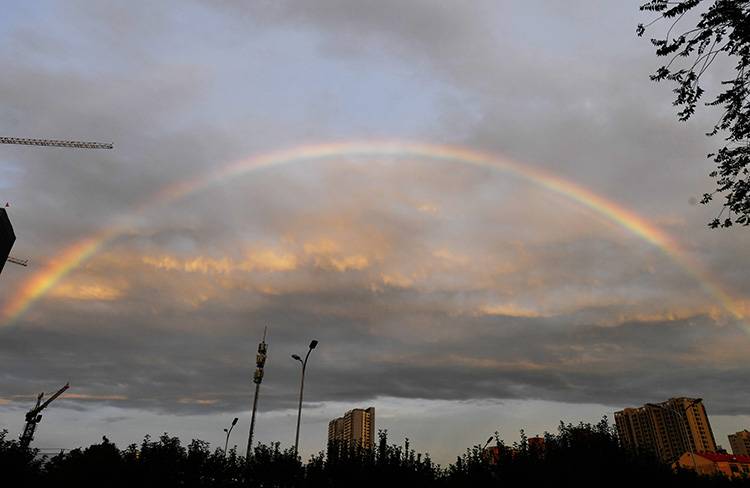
column 360, row 358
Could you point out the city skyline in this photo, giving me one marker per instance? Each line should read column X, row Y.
column 486, row 213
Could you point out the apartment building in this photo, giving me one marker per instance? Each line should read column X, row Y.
column 666, row 429
column 357, row 426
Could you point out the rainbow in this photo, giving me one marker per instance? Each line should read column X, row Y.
column 73, row 256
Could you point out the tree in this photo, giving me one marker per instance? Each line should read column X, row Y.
column 722, row 30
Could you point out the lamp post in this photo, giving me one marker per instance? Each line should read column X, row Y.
column 487, row 443
column 313, row 344
column 229, row 432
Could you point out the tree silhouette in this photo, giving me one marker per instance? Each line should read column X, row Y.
column 579, row 455
column 722, row 30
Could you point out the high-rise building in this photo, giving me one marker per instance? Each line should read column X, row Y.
column 740, row 443
column 336, row 429
column 7, row 237
column 357, row 426
column 666, row 429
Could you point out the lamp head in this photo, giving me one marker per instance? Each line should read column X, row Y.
column 234, row 422
column 294, row 356
column 313, row 344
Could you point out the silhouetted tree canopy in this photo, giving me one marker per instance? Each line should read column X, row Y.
column 577, row 455
column 722, row 29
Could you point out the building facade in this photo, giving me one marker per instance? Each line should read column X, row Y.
column 712, row 464
column 740, row 443
column 336, row 429
column 666, row 429
column 357, row 427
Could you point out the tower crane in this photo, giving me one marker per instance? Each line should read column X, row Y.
column 6, row 229
column 55, row 143
column 33, row 416
column 20, row 262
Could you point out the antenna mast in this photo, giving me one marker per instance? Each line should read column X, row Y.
column 260, row 361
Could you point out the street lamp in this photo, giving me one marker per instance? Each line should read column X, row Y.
column 487, row 443
column 313, row 344
column 229, row 432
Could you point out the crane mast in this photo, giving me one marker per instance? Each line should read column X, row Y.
column 33, row 416
column 55, row 143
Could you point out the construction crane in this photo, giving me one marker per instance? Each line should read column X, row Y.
column 55, row 143
column 20, row 262
column 7, row 237
column 6, row 229
column 33, row 416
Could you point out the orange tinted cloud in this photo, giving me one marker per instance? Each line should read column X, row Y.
column 428, row 208
column 269, row 260
column 84, row 396
column 451, row 257
column 327, row 253
column 93, row 291
column 508, row 309
column 263, row 260
column 197, row 401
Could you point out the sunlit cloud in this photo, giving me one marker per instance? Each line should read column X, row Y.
column 508, row 309
column 428, row 208
column 93, row 397
column 269, row 260
column 198, row 401
column 451, row 257
column 396, row 279
column 263, row 260
column 194, row 265
column 86, row 291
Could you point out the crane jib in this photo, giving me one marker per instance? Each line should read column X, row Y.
column 56, row 143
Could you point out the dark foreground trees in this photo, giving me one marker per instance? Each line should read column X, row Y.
column 577, row 455
column 721, row 32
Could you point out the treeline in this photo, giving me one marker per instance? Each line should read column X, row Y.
column 577, row 455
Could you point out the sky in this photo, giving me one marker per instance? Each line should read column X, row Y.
column 540, row 258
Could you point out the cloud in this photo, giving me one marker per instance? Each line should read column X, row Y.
column 264, row 260
column 509, row 310
column 99, row 292
column 84, row 396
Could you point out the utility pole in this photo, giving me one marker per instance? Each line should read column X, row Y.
column 260, row 362
column 33, row 416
